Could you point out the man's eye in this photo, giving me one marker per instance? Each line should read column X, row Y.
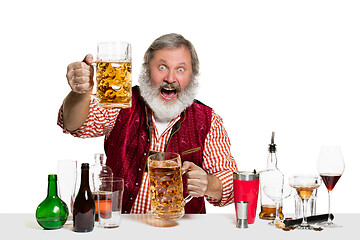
column 162, row 67
column 181, row 69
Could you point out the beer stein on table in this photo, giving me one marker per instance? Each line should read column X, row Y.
column 166, row 186
column 113, row 75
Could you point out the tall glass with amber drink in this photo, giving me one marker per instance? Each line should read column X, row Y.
column 113, row 75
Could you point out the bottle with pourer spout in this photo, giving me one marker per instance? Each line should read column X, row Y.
column 270, row 176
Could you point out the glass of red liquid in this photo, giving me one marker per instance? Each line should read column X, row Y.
column 109, row 201
column 330, row 166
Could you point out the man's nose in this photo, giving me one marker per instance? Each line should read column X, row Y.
column 170, row 76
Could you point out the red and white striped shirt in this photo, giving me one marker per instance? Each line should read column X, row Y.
column 217, row 157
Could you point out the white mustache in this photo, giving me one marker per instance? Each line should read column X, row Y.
column 170, row 86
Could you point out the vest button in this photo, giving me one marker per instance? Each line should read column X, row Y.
column 125, row 212
column 131, row 199
column 144, row 153
column 136, row 184
column 139, row 170
column 148, row 140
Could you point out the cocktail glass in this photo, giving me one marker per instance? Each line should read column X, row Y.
column 304, row 186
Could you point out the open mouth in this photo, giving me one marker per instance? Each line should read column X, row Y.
column 168, row 93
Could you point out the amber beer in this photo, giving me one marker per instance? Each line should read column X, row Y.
column 113, row 84
column 166, row 186
column 113, row 75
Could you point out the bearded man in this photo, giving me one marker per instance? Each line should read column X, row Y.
column 164, row 117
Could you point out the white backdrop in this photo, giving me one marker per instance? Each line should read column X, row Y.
column 266, row 65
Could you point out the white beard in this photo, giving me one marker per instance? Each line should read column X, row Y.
column 165, row 111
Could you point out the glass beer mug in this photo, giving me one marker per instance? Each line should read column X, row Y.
column 113, row 75
column 166, row 186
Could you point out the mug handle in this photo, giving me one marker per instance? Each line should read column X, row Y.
column 188, row 198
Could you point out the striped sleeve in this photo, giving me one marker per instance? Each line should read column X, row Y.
column 218, row 160
column 100, row 121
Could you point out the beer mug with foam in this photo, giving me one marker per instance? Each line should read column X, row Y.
column 166, row 186
column 113, row 75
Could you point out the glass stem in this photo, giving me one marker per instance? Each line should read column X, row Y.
column 329, row 207
column 304, row 208
column 277, row 218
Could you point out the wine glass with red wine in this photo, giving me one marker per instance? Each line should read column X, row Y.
column 330, row 166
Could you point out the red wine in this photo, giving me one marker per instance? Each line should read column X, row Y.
column 84, row 204
column 330, row 180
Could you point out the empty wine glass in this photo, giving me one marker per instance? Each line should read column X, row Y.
column 277, row 193
column 304, row 186
column 330, row 166
column 66, row 175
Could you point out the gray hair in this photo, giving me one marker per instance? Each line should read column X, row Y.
column 172, row 40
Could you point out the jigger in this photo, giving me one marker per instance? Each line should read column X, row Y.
column 242, row 210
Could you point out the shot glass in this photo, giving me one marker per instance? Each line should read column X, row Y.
column 109, row 202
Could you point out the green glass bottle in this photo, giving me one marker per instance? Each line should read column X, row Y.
column 52, row 213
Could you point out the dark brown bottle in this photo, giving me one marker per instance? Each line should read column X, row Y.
column 84, row 205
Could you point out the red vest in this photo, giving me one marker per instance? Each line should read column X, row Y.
column 128, row 146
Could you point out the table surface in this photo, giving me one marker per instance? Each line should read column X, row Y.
column 204, row 226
